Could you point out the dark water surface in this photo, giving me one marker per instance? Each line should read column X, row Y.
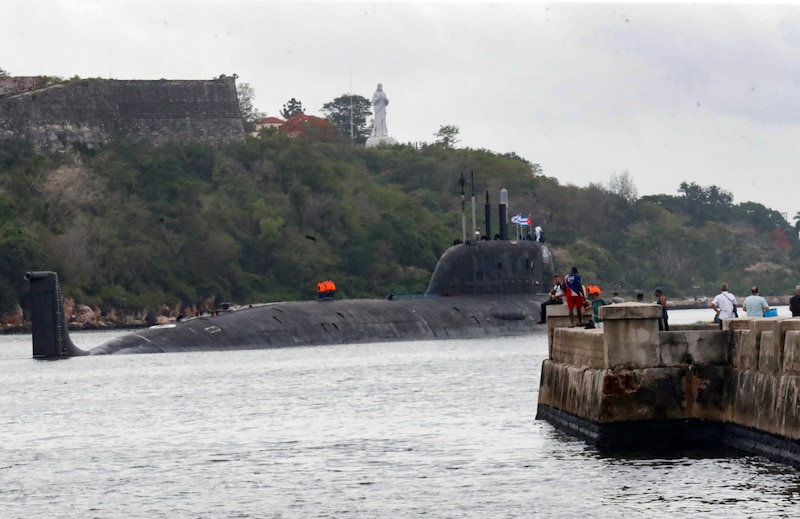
column 414, row 429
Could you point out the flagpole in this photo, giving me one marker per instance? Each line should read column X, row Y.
column 474, row 226
column 503, row 214
column 487, row 218
column 463, row 212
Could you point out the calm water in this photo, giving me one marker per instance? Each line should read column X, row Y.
column 435, row 429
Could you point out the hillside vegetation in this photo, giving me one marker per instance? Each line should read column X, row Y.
column 138, row 226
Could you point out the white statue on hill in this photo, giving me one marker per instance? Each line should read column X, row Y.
column 380, row 135
column 379, row 103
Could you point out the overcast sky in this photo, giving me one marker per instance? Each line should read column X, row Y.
column 708, row 93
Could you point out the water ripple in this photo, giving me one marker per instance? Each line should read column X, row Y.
column 433, row 429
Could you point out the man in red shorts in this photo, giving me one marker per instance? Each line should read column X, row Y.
column 575, row 294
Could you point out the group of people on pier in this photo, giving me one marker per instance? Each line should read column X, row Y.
column 586, row 300
column 582, row 299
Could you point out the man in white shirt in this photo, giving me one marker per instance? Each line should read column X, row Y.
column 556, row 298
column 724, row 304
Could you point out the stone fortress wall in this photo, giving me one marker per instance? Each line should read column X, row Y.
column 57, row 115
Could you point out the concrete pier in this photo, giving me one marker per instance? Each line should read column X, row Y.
column 627, row 385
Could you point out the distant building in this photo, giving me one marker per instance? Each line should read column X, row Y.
column 269, row 122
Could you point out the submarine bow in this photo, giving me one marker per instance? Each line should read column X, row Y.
column 478, row 290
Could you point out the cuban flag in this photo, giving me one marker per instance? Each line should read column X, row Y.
column 519, row 220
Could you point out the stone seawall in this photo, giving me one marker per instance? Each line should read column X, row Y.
column 89, row 112
column 629, row 385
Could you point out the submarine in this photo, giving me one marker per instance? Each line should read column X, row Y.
column 479, row 289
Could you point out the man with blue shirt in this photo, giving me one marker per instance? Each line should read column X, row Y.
column 575, row 295
column 755, row 304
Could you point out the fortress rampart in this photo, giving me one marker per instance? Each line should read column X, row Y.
column 89, row 112
column 628, row 385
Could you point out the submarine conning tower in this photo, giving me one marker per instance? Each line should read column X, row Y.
column 493, row 267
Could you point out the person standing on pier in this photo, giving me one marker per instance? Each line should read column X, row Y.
column 661, row 299
column 754, row 304
column 597, row 302
column 794, row 302
column 576, row 294
column 724, row 304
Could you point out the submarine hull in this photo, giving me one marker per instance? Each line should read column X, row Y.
column 316, row 323
column 478, row 290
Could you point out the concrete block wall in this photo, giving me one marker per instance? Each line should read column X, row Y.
column 746, row 345
column 767, row 402
column 629, row 338
column 764, row 344
column 578, row 347
column 572, row 389
column 747, row 374
column 791, row 350
column 694, row 347
column 764, row 387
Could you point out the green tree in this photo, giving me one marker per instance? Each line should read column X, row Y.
column 668, row 253
column 760, row 217
column 292, row 108
column 3, row 73
column 350, row 113
column 447, row 136
column 705, row 203
column 20, row 251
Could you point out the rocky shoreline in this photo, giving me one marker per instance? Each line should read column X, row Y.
column 84, row 317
